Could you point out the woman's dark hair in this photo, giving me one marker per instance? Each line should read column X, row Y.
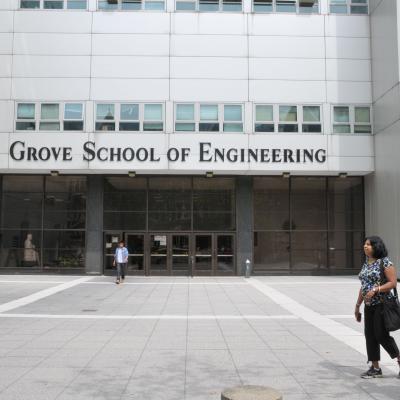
column 379, row 250
column 121, row 241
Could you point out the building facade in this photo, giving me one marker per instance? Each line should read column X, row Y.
column 203, row 133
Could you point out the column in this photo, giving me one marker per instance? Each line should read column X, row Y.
column 244, row 221
column 94, row 225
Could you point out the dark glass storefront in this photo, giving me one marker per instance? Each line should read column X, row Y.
column 43, row 223
column 308, row 224
column 173, row 226
column 182, row 225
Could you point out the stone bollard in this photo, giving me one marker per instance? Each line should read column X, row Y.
column 250, row 392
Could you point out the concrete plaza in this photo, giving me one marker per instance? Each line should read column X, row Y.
column 80, row 338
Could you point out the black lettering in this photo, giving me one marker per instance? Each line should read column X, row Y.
column 89, row 153
column 288, row 155
column 232, row 155
column 276, row 155
column 32, row 154
column 21, row 153
column 99, row 154
column 309, row 154
column 173, row 154
column 152, row 155
column 204, row 150
column 142, row 154
column 264, row 155
column 185, row 151
column 242, row 155
column 115, row 152
column 253, row 154
column 219, row 154
column 128, row 154
column 67, row 154
column 55, row 152
column 44, row 154
column 320, row 155
column 298, row 155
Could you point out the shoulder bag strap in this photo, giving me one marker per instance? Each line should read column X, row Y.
column 383, row 277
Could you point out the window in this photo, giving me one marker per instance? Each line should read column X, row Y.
column 311, row 119
column 362, row 120
column 25, row 117
column 131, row 5
column 349, row 6
column 129, row 117
column 350, row 119
column 264, row 118
column 263, row 6
column 341, row 119
column 208, row 118
column 185, row 120
column 359, row 7
column 286, row 6
column 49, row 117
column 73, row 117
column 209, row 5
column 195, row 117
column 30, row 4
column 105, row 117
column 233, row 118
column 153, row 117
column 55, row 4
column 288, row 119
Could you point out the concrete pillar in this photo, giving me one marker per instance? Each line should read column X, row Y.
column 94, row 225
column 244, row 222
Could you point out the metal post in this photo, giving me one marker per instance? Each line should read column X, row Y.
column 248, row 268
column 191, row 264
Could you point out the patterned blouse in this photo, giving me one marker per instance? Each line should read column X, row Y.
column 370, row 276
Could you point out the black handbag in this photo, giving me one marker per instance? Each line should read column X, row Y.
column 391, row 309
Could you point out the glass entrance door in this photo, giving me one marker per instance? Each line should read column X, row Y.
column 214, row 254
column 135, row 245
column 225, row 254
column 203, row 255
column 180, row 255
column 158, row 263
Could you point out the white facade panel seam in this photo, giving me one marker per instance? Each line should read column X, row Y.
column 375, row 100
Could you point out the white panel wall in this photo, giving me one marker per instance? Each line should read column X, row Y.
column 41, row 21
column 130, row 44
column 92, row 56
column 51, row 66
column 54, row 44
column 130, row 67
column 383, row 187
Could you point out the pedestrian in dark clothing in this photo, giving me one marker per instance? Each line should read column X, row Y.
column 378, row 277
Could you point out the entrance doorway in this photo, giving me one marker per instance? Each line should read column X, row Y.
column 186, row 254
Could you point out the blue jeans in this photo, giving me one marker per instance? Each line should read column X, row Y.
column 121, row 270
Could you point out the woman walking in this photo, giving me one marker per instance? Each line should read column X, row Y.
column 378, row 277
